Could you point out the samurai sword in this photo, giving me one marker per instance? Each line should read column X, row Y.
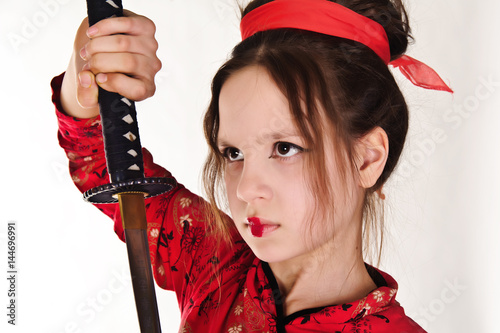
column 128, row 186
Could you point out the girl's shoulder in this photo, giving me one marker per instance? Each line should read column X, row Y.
column 379, row 311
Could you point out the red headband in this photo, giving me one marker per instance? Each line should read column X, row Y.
column 332, row 19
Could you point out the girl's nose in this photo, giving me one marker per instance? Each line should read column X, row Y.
column 254, row 182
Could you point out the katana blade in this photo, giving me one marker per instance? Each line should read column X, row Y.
column 128, row 186
column 133, row 214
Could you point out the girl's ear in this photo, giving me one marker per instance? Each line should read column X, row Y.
column 371, row 155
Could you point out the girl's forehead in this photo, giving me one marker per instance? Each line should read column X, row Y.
column 251, row 86
column 250, row 98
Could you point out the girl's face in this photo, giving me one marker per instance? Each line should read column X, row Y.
column 266, row 183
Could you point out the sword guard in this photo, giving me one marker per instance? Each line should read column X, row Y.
column 108, row 193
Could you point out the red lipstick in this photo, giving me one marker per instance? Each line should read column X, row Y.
column 256, row 227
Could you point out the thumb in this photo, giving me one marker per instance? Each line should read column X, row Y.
column 87, row 90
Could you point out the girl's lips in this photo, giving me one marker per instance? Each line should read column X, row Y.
column 260, row 228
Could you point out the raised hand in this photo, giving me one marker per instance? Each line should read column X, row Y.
column 119, row 54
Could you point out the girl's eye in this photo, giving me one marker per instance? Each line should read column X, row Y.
column 233, row 154
column 286, row 149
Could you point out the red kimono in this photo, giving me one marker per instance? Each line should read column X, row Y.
column 229, row 290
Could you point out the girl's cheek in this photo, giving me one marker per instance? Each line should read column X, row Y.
column 232, row 174
column 231, row 179
column 232, row 169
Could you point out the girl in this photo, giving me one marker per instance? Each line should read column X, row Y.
column 305, row 125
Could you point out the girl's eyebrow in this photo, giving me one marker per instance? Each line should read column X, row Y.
column 262, row 138
column 222, row 143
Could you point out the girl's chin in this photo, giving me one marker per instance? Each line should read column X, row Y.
column 271, row 253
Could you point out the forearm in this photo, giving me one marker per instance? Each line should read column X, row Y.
column 81, row 139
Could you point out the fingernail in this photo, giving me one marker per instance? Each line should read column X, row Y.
column 101, row 78
column 92, row 31
column 85, row 80
column 83, row 53
column 86, row 67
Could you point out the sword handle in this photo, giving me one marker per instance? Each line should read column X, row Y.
column 102, row 9
column 125, row 165
column 118, row 115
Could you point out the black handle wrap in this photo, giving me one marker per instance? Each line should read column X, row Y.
column 101, row 9
column 119, row 118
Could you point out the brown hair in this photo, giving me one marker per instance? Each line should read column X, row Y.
column 318, row 72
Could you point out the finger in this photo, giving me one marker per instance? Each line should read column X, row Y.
column 131, row 64
column 87, row 90
column 132, row 88
column 134, row 25
column 120, row 44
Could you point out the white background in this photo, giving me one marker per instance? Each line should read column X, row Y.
column 444, row 204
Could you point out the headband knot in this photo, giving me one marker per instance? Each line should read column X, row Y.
column 332, row 19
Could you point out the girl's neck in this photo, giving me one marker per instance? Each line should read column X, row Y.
column 318, row 280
